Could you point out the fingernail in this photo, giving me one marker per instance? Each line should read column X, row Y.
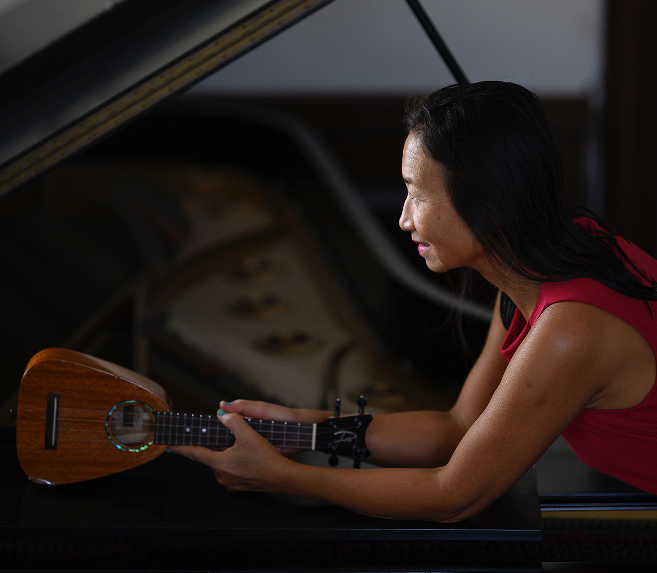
column 220, row 412
column 228, row 403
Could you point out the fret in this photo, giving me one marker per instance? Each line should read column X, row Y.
column 284, row 434
column 188, row 421
column 179, row 437
column 192, row 436
column 196, row 430
column 213, row 432
column 203, row 424
column 180, row 428
column 298, row 434
column 173, row 428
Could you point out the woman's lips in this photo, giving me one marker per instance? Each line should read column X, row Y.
column 421, row 247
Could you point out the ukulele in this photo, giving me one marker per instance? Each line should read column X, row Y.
column 81, row 418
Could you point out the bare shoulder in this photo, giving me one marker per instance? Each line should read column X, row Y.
column 598, row 349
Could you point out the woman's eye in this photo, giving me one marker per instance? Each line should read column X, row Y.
column 413, row 198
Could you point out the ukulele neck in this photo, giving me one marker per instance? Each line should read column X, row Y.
column 177, row 429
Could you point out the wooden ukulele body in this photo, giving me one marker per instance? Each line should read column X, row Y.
column 80, row 418
column 64, row 404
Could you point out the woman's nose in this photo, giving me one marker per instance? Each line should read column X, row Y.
column 405, row 219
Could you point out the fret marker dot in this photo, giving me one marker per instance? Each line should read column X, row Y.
column 187, row 430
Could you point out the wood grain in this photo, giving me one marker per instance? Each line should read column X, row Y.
column 88, row 389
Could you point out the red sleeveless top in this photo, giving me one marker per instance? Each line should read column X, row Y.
column 621, row 443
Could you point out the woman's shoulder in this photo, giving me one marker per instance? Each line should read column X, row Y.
column 604, row 347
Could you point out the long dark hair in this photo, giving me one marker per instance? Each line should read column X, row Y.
column 505, row 178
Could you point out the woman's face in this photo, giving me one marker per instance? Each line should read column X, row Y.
column 443, row 239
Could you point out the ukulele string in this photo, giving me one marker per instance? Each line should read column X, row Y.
column 277, row 429
column 182, row 428
column 287, row 434
column 211, row 436
column 181, row 420
column 263, row 424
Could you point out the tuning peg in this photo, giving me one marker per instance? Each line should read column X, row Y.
column 338, row 405
column 357, row 453
column 362, row 402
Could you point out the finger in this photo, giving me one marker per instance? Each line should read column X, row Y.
column 234, row 406
column 196, row 453
column 233, row 421
column 247, row 439
column 259, row 410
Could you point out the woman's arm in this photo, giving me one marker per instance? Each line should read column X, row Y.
column 554, row 374
column 429, row 438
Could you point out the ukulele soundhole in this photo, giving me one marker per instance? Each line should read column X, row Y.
column 130, row 426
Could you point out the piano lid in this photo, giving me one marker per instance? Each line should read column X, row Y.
column 93, row 65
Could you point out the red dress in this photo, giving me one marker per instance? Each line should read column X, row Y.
column 621, row 443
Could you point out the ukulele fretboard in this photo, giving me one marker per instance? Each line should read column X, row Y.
column 178, row 429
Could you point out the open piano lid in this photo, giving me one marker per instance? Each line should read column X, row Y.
column 57, row 99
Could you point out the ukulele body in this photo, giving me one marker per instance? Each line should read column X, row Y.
column 80, row 418
column 69, row 418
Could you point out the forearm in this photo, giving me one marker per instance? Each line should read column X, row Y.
column 399, row 493
column 425, row 439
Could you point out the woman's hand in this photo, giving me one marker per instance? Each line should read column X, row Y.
column 267, row 411
column 251, row 464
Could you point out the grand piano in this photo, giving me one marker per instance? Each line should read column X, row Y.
column 221, row 251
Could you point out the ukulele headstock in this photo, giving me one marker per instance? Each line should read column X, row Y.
column 344, row 436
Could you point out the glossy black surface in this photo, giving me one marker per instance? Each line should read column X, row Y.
column 174, row 497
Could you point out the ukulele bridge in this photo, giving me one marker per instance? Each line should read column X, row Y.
column 52, row 421
column 130, row 426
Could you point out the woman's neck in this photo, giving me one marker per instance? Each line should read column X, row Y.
column 520, row 290
column 524, row 297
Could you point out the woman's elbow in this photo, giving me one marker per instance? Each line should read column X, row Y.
column 456, row 502
column 457, row 514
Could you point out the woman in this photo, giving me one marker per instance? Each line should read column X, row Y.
column 570, row 348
